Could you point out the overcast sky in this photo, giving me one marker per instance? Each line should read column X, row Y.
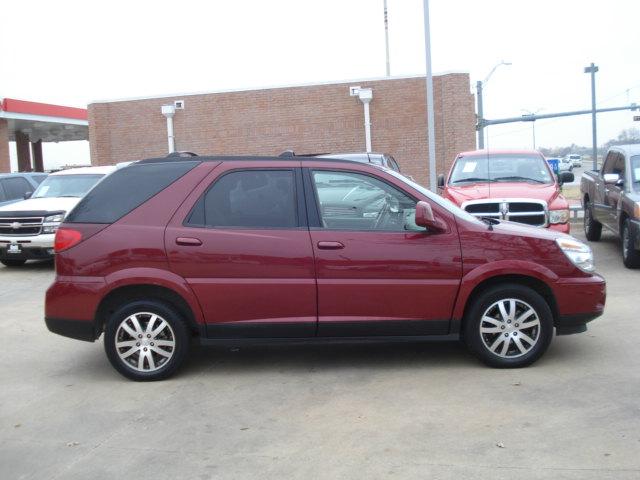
column 75, row 52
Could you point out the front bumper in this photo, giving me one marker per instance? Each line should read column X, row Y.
column 39, row 247
column 560, row 227
column 579, row 300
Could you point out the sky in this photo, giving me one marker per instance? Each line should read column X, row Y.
column 76, row 52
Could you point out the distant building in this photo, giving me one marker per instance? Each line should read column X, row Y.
column 318, row 118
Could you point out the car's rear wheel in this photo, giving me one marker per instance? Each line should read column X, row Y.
column 146, row 340
column 630, row 256
column 592, row 228
column 508, row 326
column 13, row 263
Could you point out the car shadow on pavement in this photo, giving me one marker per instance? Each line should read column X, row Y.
column 296, row 358
column 35, row 265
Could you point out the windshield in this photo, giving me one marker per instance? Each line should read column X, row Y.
column 443, row 202
column 635, row 172
column 500, row 168
column 66, row 186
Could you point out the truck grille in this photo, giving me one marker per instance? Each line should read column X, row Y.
column 20, row 226
column 530, row 212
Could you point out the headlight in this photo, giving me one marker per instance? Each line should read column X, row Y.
column 558, row 216
column 579, row 253
column 50, row 223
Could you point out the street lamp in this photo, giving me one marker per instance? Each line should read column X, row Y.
column 479, row 84
column 529, row 113
column 592, row 69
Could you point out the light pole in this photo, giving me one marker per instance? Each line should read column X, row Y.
column 431, row 133
column 592, row 69
column 529, row 113
column 386, row 37
column 479, row 86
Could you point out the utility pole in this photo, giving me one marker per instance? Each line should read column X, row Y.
column 431, row 134
column 386, row 37
column 592, row 69
column 480, row 119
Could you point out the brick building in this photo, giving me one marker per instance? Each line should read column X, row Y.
column 306, row 119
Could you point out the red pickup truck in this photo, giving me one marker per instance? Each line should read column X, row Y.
column 514, row 185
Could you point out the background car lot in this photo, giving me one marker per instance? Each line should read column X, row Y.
column 366, row 411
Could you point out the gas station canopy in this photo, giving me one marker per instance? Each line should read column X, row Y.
column 33, row 122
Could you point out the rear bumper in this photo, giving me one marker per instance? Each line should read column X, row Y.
column 579, row 300
column 78, row 329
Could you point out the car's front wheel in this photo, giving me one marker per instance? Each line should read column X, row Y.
column 146, row 340
column 508, row 326
column 630, row 256
column 592, row 228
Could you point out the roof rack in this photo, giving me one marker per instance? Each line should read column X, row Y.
column 287, row 154
column 181, row 154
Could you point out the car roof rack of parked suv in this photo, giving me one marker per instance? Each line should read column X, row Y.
column 182, row 154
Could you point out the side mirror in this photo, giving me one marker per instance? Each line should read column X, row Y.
column 611, row 178
column 425, row 218
column 27, row 195
column 565, row 177
column 441, row 180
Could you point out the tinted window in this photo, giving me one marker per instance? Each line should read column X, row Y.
column 250, row 199
column 2, row 197
column 125, row 190
column 16, row 187
column 38, row 178
column 351, row 201
column 635, row 172
column 618, row 166
column 66, row 185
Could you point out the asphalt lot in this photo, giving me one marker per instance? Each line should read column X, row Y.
column 334, row 412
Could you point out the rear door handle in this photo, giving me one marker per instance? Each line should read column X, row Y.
column 330, row 245
column 188, row 241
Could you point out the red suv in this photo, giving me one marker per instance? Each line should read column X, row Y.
column 244, row 249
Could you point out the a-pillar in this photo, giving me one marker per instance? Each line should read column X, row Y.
column 38, row 164
column 24, row 152
column 5, row 165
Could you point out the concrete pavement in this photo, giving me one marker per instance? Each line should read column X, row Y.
column 324, row 412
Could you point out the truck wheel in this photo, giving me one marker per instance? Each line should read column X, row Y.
column 508, row 326
column 630, row 256
column 592, row 228
column 13, row 263
column 146, row 340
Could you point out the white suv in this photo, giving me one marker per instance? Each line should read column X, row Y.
column 27, row 228
column 575, row 159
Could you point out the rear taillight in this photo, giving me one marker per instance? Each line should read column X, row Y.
column 65, row 239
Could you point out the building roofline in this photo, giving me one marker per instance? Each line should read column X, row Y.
column 274, row 87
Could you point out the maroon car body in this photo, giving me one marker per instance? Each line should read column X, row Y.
column 306, row 281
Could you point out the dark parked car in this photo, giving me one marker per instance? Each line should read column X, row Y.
column 235, row 249
column 18, row 186
column 611, row 198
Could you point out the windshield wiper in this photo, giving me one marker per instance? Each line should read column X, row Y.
column 516, row 177
column 471, row 179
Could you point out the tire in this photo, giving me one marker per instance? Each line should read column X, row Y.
column 630, row 256
column 145, row 355
column 13, row 263
column 488, row 327
column 592, row 228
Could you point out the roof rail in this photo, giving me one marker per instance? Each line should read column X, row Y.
column 287, row 154
column 182, row 154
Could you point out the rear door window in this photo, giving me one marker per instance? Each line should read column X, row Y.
column 249, row 199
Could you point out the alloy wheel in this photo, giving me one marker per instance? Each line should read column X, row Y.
column 510, row 328
column 145, row 342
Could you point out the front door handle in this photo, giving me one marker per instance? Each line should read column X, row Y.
column 188, row 241
column 330, row 245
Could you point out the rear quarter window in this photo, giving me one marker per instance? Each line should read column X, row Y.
column 126, row 189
